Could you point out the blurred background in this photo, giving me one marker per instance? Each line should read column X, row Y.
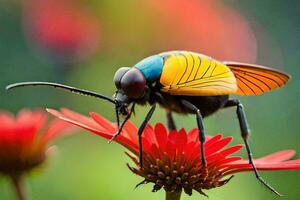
column 83, row 42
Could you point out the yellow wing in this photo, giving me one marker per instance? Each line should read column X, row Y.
column 256, row 79
column 192, row 74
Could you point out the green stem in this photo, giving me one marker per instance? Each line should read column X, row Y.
column 173, row 195
column 18, row 184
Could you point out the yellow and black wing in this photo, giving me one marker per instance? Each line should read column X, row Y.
column 192, row 74
column 256, row 79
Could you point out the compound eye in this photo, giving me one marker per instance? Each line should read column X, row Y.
column 118, row 76
column 133, row 83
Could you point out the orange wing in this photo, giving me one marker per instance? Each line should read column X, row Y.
column 256, row 79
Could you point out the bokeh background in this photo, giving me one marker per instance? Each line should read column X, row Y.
column 82, row 43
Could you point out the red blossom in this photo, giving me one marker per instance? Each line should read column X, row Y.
column 210, row 27
column 62, row 28
column 24, row 140
column 172, row 159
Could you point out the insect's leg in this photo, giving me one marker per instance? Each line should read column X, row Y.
column 117, row 116
column 170, row 120
column 245, row 132
column 141, row 129
column 120, row 128
column 196, row 110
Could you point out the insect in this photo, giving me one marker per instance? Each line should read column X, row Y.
column 188, row 83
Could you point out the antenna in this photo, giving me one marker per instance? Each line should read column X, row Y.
column 61, row 86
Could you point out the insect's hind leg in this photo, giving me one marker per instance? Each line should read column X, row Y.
column 245, row 132
column 196, row 110
column 170, row 120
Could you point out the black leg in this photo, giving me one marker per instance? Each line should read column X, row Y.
column 196, row 110
column 245, row 132
column 140, row 132
column 120, row 129
column 170, row 120
column 117, row 116
column 123, row 123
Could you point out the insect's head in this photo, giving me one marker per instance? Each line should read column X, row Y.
column 131, row 84
column 122, row 103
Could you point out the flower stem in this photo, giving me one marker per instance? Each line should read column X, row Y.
column 173, row 195
column 18, row 184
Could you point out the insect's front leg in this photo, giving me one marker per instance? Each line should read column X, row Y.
column 196, row 110
column 120, row 127
column 245, row 132
column 140, row 132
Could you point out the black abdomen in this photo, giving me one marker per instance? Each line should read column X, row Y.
column 207, row 104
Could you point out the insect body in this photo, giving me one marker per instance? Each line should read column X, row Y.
column 188, row 83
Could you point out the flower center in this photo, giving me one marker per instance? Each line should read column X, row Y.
column 177, row 176
column 13, row 164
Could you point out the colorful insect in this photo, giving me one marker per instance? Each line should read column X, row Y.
column 186, row 82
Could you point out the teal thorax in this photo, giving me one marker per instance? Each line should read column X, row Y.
column 151, row 67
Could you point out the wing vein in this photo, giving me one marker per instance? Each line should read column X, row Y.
column 263, row 69
column 207, row 69
column 213, row 85
column 260, row 81
column 198, row 67
column 245, row 78
column 245, row 72
column 213, row 70
column 214, row 77
column 240, row 78
column 241, row 89
column 186, row 66
column 192, row 66
column 210, row 81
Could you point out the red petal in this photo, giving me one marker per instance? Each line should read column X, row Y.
column 81, row 121
column 278, row 166
column 111, row 128
column 90, row 125
column 190, row 148
column 131, row 131
column 218, row 145
column 226, row 160
column 275, row 166
column 56, row 128
column 171, row 149
column 181, row 139
column 146, row 146
column 6, row 117
column 277, row 157
column 155, row 152
column 172, row 136
column 75, row 117
column 161, row 136
column 224, row 153
column 29, row 123
column 193, row 135
column 149, row 134
column 212, row 140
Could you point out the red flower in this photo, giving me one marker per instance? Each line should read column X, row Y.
column 62, row 28
column 209, row 27
column 22, row 144
column 172, row 160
